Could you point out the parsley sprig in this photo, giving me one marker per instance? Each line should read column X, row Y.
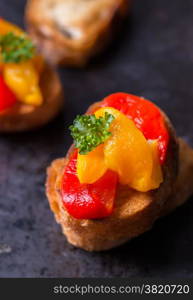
column 88, row 131
column 15, row 49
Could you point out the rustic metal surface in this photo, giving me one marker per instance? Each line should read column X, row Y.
column 153, row 57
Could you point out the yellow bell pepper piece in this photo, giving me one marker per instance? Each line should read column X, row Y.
column 126, row 152
column 156, row 175
column 23, row 80
column 91, row 166
column 6, row 27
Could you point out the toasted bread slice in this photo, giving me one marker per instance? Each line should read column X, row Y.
column 71, row 31
column 22, row 117
column 134, row 212
column 183, row 187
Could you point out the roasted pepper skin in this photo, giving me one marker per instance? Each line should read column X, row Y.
column 146, row 115
column 7, row 97
column 88, row 201
column 149, row 120
column 22, row 78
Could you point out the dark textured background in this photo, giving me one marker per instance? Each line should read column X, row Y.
column 154, row 58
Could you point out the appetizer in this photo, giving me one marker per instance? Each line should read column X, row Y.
column 30, row 91
column 70, row 32
column 125, row 169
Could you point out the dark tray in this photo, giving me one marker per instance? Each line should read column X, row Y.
column 153, row 57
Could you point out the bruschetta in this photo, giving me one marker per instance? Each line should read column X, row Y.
column 30, row 90
column 70, row 32
column 125, row 169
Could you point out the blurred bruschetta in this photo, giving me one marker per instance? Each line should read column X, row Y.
column 30, row 90
column 70, row 32
column 97, row 212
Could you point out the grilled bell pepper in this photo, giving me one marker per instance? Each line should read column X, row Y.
column 7, row 98
column 6, row 27
column 134, row 153
column 20, row 75
column 23, row 80
column 126, row 152
column 88, row 201
column 146, row 116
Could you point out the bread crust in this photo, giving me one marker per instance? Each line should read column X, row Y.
column 183, row 187
column 22, row 117
column 57, row 42
column 134, row 213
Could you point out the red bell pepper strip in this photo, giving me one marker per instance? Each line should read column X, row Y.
column 145, row 114
column 7, row 98
column 88, row 201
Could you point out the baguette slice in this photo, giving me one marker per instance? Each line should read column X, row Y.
column 70, row 32
column 134, row 212
column 183, row 187
column 22, row 117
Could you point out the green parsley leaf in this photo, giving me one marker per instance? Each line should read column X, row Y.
column 15, row 49
column 88, row 131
